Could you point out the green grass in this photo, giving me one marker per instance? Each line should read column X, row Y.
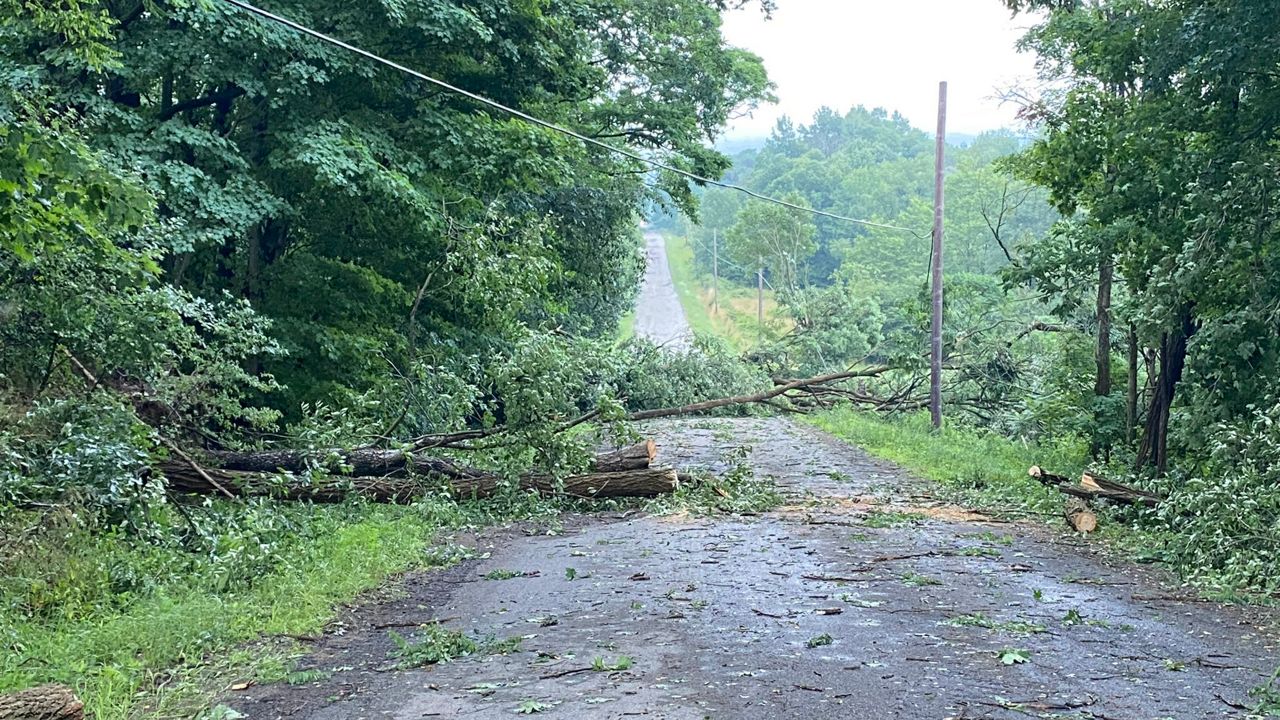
column 735, row 321
column 167, row 650
column 987, row 469
column 627, row 327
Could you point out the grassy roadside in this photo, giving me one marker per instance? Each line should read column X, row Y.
column 735, row 321
column 165, row 650
column 987, row 469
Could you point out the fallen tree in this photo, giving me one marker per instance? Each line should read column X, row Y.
column 373, row 462
column 781, row 387
column 45, row 702
column 460, row 483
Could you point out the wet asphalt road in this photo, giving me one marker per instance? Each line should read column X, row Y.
column 659, row 316
column 717, row 615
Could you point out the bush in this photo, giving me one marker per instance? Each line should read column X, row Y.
column 1223, row 514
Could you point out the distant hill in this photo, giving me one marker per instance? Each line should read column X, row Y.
column 733, row 146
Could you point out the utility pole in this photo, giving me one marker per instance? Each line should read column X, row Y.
column 935, row 270
column 715, row 272
column 760, row 298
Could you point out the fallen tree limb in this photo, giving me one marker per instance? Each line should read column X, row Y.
column 781, row 387
column 1093, row 487
column 46, row 702
column 460, row 483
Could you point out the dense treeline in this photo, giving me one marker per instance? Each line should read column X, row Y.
column 231, row 225
column 1159, row 142
column 217, row 234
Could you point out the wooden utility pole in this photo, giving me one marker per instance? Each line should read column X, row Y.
column 760, row 298
column 935, row 335
column 715, row 272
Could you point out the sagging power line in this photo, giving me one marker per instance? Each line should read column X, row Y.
column 297, row 27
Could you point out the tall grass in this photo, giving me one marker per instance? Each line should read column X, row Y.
column 129, row 653
column 986, row 468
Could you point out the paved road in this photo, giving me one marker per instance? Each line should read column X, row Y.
column 718, row 614
column 659, row 316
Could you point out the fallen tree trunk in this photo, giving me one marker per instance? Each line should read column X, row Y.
column 1093, row 487
column 46, row 702
column 1079, row 516
column 460, row 483
column 370, row 462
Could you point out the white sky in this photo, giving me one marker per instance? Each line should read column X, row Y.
column 884, row 53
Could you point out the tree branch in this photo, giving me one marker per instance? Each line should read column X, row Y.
column 222, row 96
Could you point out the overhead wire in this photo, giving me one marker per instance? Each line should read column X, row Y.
column 298, row 27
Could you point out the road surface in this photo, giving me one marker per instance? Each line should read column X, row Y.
column 659, row 316
column 862, row 597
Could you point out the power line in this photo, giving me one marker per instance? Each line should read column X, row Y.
column 544, row 123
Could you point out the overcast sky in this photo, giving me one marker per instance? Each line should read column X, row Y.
column 884, row 53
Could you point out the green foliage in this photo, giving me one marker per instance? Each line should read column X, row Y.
column 770, row 236
column 835, row 327
column 1223, row 513
column 819, row 641
column 737, row 490
column 436, row 645
column 370, row 219
column 106, row 612
column 1013, row 656
column 599, row 664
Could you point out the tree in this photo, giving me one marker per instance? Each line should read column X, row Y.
column 359, row 209
column 774, row 237
column 1160, row 143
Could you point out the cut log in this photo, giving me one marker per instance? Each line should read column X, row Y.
column 632, row 457
column 371, row 462
column 46, row 702
column 1079, row 516
column 461, row 483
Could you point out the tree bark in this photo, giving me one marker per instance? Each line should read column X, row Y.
column 1131, row 400
column 46, row 702
column 632, row 457
column 459, row 483
column 1102, row 349
column 1093, row 487
column 1154, row 451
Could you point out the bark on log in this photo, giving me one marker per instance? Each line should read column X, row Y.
column 371, row 462
column 632, row 457
column 644, row 482
column 46, row 702
column 1079, row 516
